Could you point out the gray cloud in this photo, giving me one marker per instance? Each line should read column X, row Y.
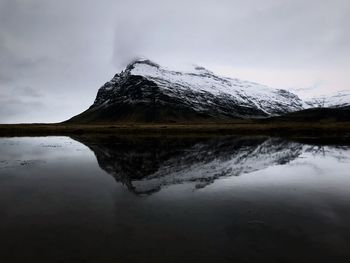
column 20, row 92
column 242, row 33
column 11, row 110
column 55, row 54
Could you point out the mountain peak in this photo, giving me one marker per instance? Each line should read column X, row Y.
column 201, row 69
column 141, row 61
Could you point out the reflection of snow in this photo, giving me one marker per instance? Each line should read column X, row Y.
column 148, row 169
column 340, row 153
column 204, row 172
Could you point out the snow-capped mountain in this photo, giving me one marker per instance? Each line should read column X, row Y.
column 145, row 91
column 337, row 100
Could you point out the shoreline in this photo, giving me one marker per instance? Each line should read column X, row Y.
column 282, row 129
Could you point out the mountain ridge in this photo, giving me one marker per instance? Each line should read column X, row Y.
column 335, row 100
column 146, row 92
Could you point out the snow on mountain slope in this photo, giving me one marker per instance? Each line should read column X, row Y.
column 339, row 99
column 145, row 91
column 201, row 80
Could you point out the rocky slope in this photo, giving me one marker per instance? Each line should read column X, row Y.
column 146, row 92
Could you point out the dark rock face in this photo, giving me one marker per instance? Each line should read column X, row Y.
column 144, row 92
column 145, row 165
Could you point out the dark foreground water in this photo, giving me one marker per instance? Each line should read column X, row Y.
column 109, row 199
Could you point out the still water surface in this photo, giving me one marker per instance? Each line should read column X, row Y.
column 120, row 199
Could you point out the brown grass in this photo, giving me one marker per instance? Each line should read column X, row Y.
column 295, row 129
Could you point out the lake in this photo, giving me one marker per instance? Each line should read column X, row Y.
column 173, row 199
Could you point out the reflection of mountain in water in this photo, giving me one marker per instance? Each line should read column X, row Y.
column 145, row 165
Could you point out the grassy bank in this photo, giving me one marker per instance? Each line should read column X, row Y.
column 294, row 129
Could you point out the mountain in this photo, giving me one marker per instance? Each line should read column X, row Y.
column 147, row 92
column 333, row 108
column 337, row 100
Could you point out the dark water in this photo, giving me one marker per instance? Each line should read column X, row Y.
column 227, row 199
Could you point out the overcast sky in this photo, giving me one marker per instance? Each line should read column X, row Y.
column 54, row 55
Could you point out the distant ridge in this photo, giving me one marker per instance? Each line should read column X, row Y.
column 341, row 114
